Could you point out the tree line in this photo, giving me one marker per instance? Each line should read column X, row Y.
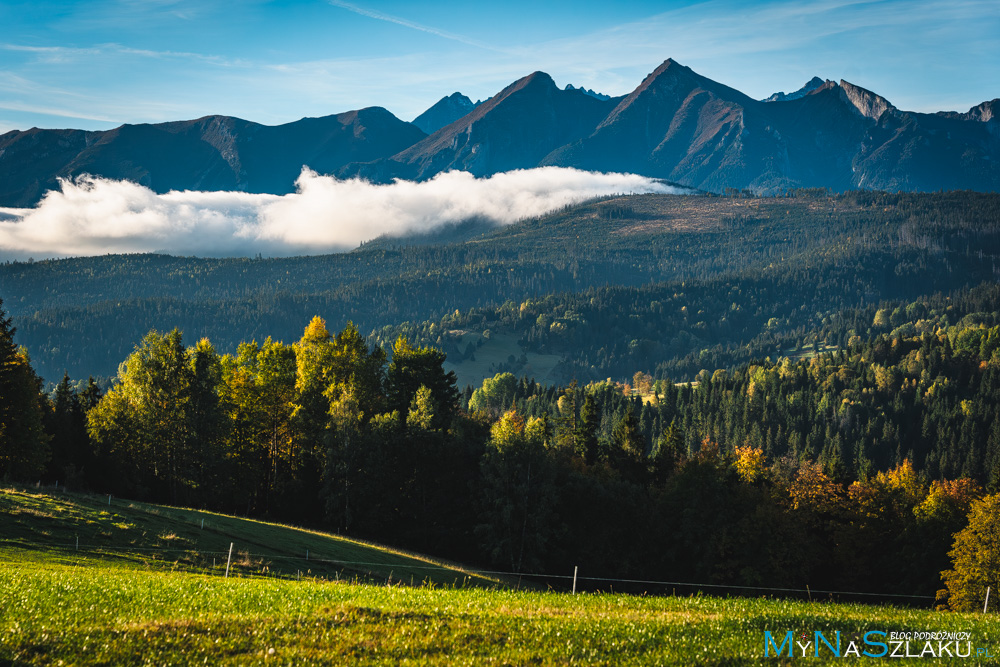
column 848, row 470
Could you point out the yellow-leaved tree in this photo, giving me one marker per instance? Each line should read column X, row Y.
column 975, row 558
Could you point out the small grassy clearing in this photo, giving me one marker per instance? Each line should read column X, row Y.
column 497, row 350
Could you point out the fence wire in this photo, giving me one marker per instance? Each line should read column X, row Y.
column 459, row 570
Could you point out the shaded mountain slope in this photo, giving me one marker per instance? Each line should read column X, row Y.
column 676, row 125
column 444, row 112
column 514, row 129
column 210, row 153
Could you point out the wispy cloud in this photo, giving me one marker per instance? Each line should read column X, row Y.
column 54, row 111
column 111, row 108
column 381, row 16
column 65, row 54
column 759, row 47
column 95, row 216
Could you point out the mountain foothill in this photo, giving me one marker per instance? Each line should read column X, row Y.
column 676, row 125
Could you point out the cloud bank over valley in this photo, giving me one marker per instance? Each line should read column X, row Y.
column 95, row 216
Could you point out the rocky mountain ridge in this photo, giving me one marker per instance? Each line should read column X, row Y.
column 676, row 125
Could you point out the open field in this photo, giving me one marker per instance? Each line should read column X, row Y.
column 126, row 599
column 61, row 614
column 65, row 528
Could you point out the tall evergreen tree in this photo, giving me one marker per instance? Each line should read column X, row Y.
column 413, row 367
column 24, row 446
column 587, row 446
column 67, row 425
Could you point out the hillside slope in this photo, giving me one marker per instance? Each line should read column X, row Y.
column 73, row 528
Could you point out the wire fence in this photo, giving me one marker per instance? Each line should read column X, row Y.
column 405, row 564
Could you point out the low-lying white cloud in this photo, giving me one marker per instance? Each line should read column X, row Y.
column 94, row 216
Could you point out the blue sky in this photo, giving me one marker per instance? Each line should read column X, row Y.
column 97, row 64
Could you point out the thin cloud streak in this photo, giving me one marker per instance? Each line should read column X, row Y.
column 380, row 16
column 92, row 216
column 66, row 54
column 54, row 111
column 743, row 47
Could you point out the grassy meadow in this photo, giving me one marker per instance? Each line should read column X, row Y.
column 61, row 606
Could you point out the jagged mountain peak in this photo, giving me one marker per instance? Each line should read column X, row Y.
column 668, row 67
column 867, row 103
column 535, row 84
column 365, row 114
column 986, row 111
column 677, row 125
column 516, row 127
column 668, row 86
column 537, row 79
column 672, row 75
column 444, row 112
column 586, row 91
column 811, row 85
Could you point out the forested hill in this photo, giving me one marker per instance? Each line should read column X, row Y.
column 842, row 353
column 670, row 277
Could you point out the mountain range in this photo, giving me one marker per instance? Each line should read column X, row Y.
column 676, row 125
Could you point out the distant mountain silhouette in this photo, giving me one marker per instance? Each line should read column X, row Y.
column 676, row 125
column 810, row 86
column 445, row 112
column 211, row 153
column 592, row 93
column 516, row 128
column 689, row 129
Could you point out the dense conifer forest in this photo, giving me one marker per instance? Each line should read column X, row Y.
column 662, row 277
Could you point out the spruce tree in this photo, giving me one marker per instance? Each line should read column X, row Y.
column 24, row 447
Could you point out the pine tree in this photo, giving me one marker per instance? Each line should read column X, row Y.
column 24, row 446
column 413, row 367
column 70, row 444
column 586, row 433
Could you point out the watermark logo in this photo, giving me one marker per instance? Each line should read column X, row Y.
column 873, row 644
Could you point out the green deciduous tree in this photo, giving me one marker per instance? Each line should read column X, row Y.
column 161, row 421
column 495, row 396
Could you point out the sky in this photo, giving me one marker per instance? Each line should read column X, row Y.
column 98, row 64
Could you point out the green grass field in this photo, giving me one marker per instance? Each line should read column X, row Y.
column 61, row 607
